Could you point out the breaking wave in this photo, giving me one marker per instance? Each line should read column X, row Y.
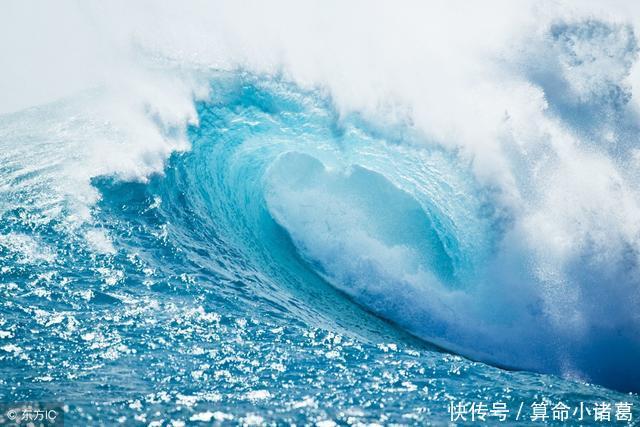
column 494, row 215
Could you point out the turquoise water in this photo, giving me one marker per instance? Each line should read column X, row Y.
column 293, row 266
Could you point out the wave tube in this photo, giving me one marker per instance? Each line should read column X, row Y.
column 404, row 229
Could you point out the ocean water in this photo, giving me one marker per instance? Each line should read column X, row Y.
column 201, row 241
column 248, row 282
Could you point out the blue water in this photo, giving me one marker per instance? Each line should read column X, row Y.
column 293, row 266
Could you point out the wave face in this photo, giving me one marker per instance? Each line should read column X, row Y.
column 407, row 232
column 228, row 237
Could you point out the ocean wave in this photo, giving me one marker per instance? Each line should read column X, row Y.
column 488, row 206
